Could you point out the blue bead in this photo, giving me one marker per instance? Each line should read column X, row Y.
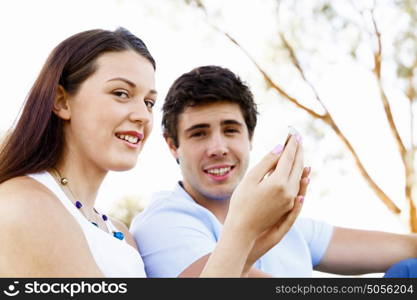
column 118, row 235
column 104, row 217
column 78, row 204
column 94, row 223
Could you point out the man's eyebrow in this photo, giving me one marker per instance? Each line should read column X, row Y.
column 231, row 122
column 205, row 125
column 197, row 126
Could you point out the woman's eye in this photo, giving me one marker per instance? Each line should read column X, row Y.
column 149, row 103
column 121, row 94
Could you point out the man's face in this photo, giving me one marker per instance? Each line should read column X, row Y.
column 213, row 150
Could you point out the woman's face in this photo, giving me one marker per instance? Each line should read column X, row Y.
column 111, row 113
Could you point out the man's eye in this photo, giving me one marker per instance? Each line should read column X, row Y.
column 197, row 134
column 231, row 130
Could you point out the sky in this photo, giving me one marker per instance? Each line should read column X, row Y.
column 180, row 39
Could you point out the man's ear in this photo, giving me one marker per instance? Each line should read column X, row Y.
column 172, row 148
column 61, row 104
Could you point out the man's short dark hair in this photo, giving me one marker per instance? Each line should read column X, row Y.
column 205, row 85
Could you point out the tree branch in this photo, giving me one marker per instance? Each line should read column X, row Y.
column 326, row 117
column 329, row 120
column 297, row 65
column 271, row 83
column 410, row 171
column 378, row 191
column 387, row 107
column 412, row 96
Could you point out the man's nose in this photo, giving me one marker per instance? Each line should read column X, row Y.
column 217, row 146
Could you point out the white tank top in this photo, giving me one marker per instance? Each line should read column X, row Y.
column 114, row 257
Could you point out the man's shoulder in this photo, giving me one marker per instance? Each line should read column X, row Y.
column 309, row 223
column 315, row 232
column 167, row 207
column 168, row 200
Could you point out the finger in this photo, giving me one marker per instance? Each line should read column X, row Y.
column 289, row 220
column 267, row 164
column 286, row 160
column 298, row 167
column 306, row 172
column 288, row 138
column 304, row 181
column 303, row 186
column 277, row 232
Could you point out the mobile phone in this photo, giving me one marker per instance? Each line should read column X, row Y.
column 291, row 131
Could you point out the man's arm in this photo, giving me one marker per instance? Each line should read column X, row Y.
column 361, row 251
column 194, row 270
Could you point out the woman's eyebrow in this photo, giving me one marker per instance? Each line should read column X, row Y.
column 124, row 80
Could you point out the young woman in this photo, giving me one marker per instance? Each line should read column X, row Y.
column 89, row 112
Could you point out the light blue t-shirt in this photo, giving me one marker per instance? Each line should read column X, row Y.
column 174, row 231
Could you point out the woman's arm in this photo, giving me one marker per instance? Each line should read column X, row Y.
column 261, row 200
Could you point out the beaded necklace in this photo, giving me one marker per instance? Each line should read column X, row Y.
column 63, row 181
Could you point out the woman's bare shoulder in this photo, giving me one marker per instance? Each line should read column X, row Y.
column 28, row 205
column 40, row 237
column 25, row 193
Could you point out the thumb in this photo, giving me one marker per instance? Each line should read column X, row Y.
column 268, row 162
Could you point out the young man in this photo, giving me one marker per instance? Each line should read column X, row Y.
column 209, row 117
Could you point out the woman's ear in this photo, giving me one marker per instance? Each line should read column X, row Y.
column 61, row 104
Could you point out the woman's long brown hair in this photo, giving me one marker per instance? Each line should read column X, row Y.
column 36, row 143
